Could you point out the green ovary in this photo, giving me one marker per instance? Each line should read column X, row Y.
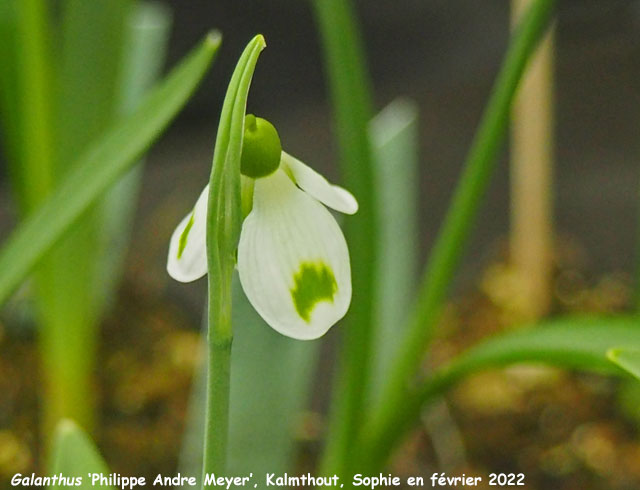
column 314, row 282
column 184, row 235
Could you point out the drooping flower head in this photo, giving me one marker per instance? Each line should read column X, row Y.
column 293, row 259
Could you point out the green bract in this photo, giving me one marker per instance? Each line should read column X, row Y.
column 261, row 148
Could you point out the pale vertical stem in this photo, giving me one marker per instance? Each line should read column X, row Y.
column 531, row 175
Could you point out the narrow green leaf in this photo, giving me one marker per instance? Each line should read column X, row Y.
column 75, row 455
column 580, row 343
column 454, row 233
column 572, row 342
column 627, row 359
column 352, row 105
column 100, row 166
column 394, row 134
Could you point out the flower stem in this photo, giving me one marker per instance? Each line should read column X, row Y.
column 224, row 217
column 450, row 243
column 218, row 385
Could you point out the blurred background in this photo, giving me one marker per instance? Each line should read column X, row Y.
column 561, row 430
column 444, row 56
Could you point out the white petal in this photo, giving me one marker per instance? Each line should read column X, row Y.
column 188, row 247
column 293, row 260
column 317, row 186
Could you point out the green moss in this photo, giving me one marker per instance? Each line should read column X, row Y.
column 314, row 282
column 184, row 235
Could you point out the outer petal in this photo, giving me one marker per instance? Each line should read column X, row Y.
column 188, row 247
column 293, row 260
column 317, row 186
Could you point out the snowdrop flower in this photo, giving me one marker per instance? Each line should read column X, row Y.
column 293, row 259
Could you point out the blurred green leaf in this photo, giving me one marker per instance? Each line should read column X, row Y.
column 90, row 70
column 455, row 231
column 34, row 96
column 581, row 343
column 90, row 73
column 270, row 384
column 100, row 166
column 146, row 37
column 270, row 374
column 9, row 90
column 348, row 80
column 394, row 134
column 70, row 290
column 112, row 53
column 190, row 458
column 75, row 455
column 571, row 342
column 627, row 359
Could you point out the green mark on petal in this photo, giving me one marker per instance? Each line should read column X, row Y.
column 184, row 235
column 314, row 282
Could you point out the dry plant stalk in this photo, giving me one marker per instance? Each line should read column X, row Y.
column 531, row 175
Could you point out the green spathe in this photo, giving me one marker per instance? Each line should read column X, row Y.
column 314, row 282
column 261, row 148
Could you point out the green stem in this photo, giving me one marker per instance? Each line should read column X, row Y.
column 351, row 95
column 218, row 388
column 453, row 236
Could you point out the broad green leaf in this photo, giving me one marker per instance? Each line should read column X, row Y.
column 90, row 69
column 190, row 458
column 394, row 135
column 34, row 93
column 270, row 381
column 9, row 95
column 70, row 287
column 91, row 75
column 100, row 166
column 75, row 455
column 270, row 374
column 627, row 359
column 146, row 38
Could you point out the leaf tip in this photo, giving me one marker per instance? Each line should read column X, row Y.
column 259, row 39
column 213, row 39
column 65, row 427
column 613, row 354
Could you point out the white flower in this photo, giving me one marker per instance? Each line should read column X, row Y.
column 293, row 259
